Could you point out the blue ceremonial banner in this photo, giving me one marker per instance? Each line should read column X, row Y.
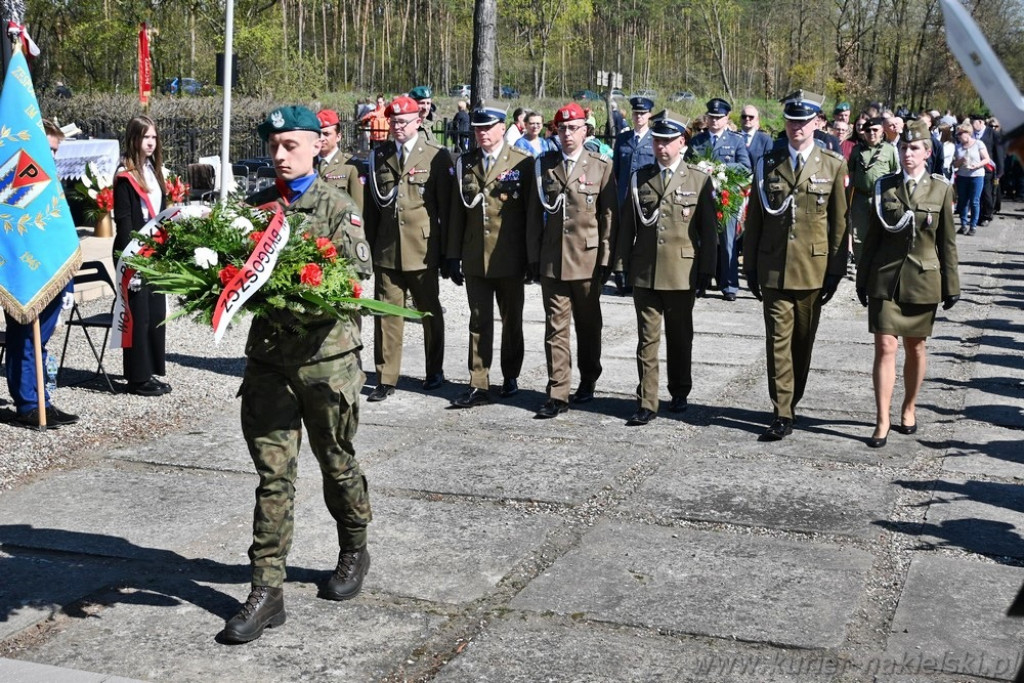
column 39, row 250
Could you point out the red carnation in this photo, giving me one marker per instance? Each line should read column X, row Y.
column 160, row 236
column 256, row 235
column 326, row 248
column 720, row 215
column 725, row 194
column 725, row 200
column 357, row 290
column 311, row 275
column 145, row 251
column 227, row 273
column 105, row 200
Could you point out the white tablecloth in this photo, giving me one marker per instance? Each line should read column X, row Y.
column 73, row 155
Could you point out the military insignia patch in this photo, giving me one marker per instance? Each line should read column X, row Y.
column 21, row 180
column 362, row 251
column 277, row 119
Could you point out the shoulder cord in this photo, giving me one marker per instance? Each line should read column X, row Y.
column 645, row 220
column 559, row 201
column 906, row 220
column 479, row 195
column 381, row 201
column 787, row 204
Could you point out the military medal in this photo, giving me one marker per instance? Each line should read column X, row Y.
column 504, row 197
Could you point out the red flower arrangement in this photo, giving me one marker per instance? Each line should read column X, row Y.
column 177, row 189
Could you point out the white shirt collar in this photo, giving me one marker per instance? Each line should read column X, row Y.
column 574, row 158
column 803, row 154
column 330, row 157
column 673, row 167
column 409, row 146
column 493, row 155
column 917, row 180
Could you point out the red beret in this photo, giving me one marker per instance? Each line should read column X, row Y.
column 403, row 104
column 569, row 112
column 327, row 117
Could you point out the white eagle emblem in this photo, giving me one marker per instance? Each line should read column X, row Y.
column 277, row 119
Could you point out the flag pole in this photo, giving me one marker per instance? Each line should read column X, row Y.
column 37, row 345
column 225, row 143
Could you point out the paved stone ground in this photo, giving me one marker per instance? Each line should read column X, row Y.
column 510, row 549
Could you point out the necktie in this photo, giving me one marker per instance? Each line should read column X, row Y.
column 401, row 158
column 798, row 164
column 746, row 139
column 714, row 140
column 487, row 163
column 568, row 167
column 911, row 186
column 666, row 176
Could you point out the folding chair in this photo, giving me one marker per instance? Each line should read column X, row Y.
column 201, row 178
column 91, row 271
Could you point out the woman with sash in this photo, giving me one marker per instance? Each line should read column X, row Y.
column 909, row 265
column 139, row 195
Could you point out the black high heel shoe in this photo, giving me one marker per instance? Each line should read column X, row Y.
column 903, row 429
column 879, row 442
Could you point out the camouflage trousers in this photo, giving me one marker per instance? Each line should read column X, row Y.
column 276, row 401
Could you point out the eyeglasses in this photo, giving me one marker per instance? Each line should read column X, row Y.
column 395, row 123
column 747, row 117
column 566, row 128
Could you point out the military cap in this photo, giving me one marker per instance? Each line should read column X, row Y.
column 641, row 103
column 842, row 106
column 569, row 112
column 285, row 119
column 486, row 116
column 421, row 92
column 717, row 107
column 327, row 117
column 801, row 105
column 916, row 130
column 402, row 104
column 872, row 122
column 667, row 124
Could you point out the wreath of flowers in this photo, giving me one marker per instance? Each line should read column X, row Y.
column 731, row 186
column 195, row 256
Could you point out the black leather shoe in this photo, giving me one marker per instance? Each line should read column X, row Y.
column 778, row 430
column 678, row 405
column 641, row 417
column 584, row 393
column 509, row 388
column 163, row 385
column 729, row 296
column 55, row 417
column 263, row 608
column 874, row 442
column 472, row 398
column 433, row 382
column 905, row 429
column 380, row 392
column 552, row 408
column 147, row 388
column 347, row 579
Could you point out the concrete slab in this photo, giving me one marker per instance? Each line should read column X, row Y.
column 979, row 404
column 979, row 516
column 478, row 464
column 984, row 449
column 750, row 588
column 772, row 493
column 525, row 649
column 28, row 672
column 321, row 640
column 448, row 552
column 952, row 611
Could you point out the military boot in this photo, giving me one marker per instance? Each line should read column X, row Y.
column 347, row 580
column 264, row 607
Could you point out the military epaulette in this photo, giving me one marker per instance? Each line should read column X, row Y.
column 597, row 156
column 435, row 144
column 944, row 179
column 515, row 151
column 832, row 153
column 695, row 169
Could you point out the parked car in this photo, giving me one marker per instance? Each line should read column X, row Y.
column 649, row 94
column 189, row 86
column 463, row 90
column 616, row 92
column 507, row 92
column 585, row 95
column 683, row 96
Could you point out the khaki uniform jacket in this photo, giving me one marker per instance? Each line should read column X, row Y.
column 490, row 238
column 682, row 243
column 345, row 173
column 797, row 248
column 408, row 234
column 570, row 243
column 328, row 213
column 919, row 265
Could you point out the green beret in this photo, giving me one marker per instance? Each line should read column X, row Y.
column 421, row 92
column 284, row 119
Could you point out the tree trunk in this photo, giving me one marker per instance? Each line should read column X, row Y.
column 485, row 29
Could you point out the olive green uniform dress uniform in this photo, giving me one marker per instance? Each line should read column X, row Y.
column 790, row 254
column 867, row 165
column 666, row 260
column 908, row 272
column 310, row 378
column 571, row 240
column 407, row 208
column 347, row 174
column 490, row 239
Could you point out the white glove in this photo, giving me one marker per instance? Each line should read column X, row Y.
column 68, row 302
column 135, row 284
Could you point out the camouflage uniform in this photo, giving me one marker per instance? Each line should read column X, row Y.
column 312, row 378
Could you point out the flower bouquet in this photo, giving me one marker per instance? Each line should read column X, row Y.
column 731, row 187
column 177, row 189
column 234, row 258
column 97, row 190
